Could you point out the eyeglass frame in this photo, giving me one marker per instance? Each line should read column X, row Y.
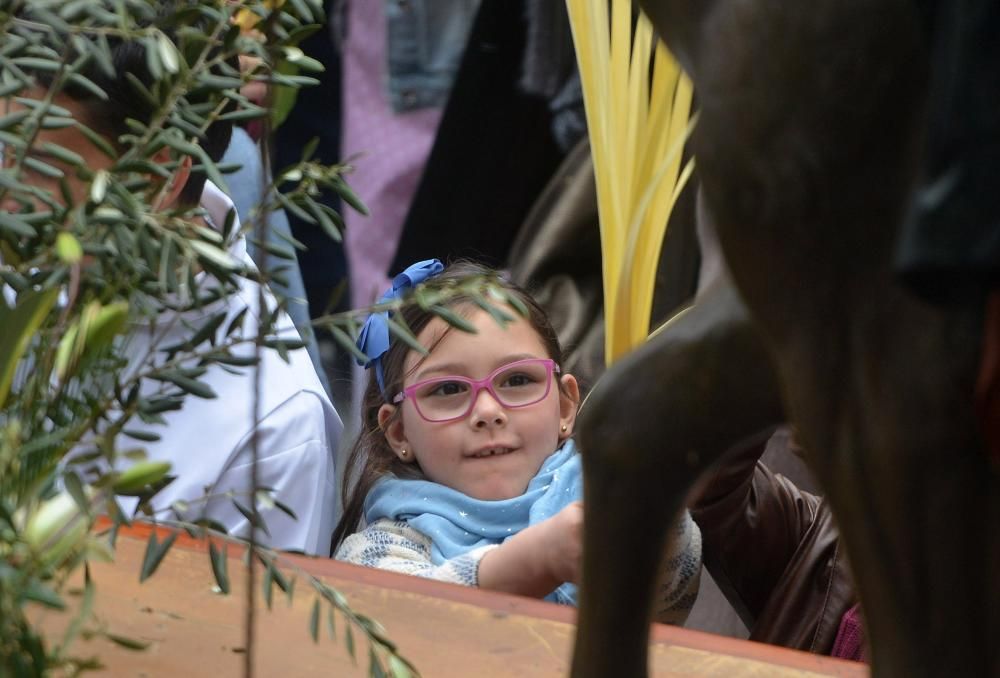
column 477, row 386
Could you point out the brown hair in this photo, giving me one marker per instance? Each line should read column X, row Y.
column 371, row 457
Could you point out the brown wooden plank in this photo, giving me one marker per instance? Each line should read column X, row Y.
column 445, row 630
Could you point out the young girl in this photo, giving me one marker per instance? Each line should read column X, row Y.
column 465, row 468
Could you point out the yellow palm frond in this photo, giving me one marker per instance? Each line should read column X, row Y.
column 638, row 120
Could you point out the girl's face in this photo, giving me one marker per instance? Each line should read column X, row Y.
column 493, row 451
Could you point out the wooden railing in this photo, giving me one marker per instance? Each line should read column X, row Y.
column 445, row 630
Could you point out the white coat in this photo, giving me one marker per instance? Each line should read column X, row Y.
column 208, row 441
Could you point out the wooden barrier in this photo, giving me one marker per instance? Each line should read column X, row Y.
column 445, row 630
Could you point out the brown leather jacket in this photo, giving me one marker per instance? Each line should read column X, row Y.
column 775, row 552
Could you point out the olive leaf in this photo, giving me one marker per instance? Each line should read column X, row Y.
column 220, row 566
column 155, row 552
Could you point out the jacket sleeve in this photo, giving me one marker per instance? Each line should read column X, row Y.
column 680, row 573
column 752, row 522
column 394, row 545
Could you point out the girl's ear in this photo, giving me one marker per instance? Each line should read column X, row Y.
column 569, row 403
column 392, row 428
column 178, row 179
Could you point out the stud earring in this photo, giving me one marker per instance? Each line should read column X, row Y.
column 564, row 428
column 403, row 453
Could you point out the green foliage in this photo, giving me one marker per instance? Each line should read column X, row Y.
column 20, row 325
column 91, row 249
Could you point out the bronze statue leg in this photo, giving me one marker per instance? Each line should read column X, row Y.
column 889, row 428
column 644, row 441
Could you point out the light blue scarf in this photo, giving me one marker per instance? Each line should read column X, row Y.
column 457, row 523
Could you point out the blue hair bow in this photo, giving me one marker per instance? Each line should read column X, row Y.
column 374, row 338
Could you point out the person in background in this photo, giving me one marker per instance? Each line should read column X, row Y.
column 209, row 441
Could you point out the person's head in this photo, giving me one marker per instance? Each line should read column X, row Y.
column 108, row 116
column 429, row 421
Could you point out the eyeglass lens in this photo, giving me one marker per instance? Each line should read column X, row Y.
column 517, row 385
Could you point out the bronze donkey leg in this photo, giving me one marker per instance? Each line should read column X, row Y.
column 713, row 384
column 809, row 144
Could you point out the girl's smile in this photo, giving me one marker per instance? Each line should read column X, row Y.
column 490, row 451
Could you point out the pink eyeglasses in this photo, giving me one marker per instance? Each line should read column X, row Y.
column 517, row 384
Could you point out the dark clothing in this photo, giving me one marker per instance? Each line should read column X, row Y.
column 493, row 154
column 774, row 550
column 949, row 247
column 316, row 115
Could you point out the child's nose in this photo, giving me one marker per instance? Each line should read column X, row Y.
column 487, row 411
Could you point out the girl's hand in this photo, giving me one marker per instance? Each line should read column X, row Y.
column 561, row 542
column 538, row 559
